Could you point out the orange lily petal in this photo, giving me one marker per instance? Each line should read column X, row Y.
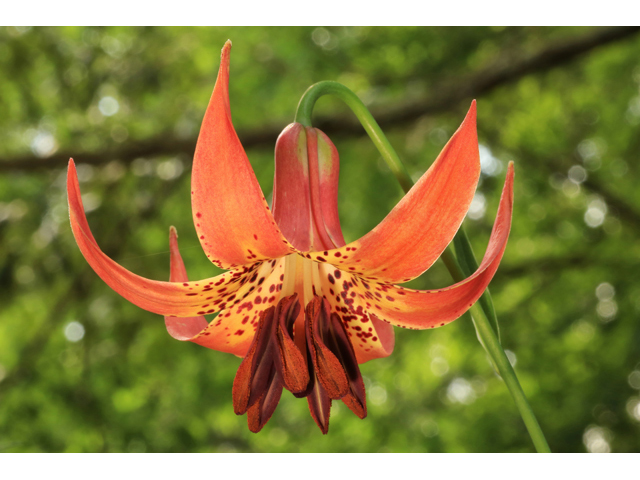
column 328, row 173
column 291, row 206
column 434, row 308
column 324, row 166
column 414, row 234
column 370, row 337
column 231, row 215
column 186, row 299
column 233, row 329
column 305, row 189
column 181, row 328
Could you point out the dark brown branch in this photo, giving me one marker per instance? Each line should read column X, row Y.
column 444, row 98
column 508, row 71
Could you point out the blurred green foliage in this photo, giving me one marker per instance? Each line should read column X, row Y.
column 81, row 369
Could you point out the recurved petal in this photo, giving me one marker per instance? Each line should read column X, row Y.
column 231, row 215
column 435, row 308
column 423, row 223
column 181, row 328
column 186, row 299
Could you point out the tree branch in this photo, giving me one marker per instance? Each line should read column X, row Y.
column 444, row 98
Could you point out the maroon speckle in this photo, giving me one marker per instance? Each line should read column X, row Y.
column 199, row 215
column 247, row 305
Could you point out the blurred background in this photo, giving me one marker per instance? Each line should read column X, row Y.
column 83, row 370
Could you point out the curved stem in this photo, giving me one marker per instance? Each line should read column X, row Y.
column 482, row 312
column 314, row 92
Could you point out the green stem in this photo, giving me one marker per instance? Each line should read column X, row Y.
column 482, row 311
column 314, row 92
column 492, row 345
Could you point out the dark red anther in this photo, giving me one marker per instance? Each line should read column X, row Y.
column 355, row 398
column 272, row 362
column 328, row 368
column 333, row 368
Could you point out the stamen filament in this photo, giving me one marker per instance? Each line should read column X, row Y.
column 308, row 280
column 289, row 283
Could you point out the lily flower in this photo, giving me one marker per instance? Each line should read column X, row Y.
column 302, row 307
